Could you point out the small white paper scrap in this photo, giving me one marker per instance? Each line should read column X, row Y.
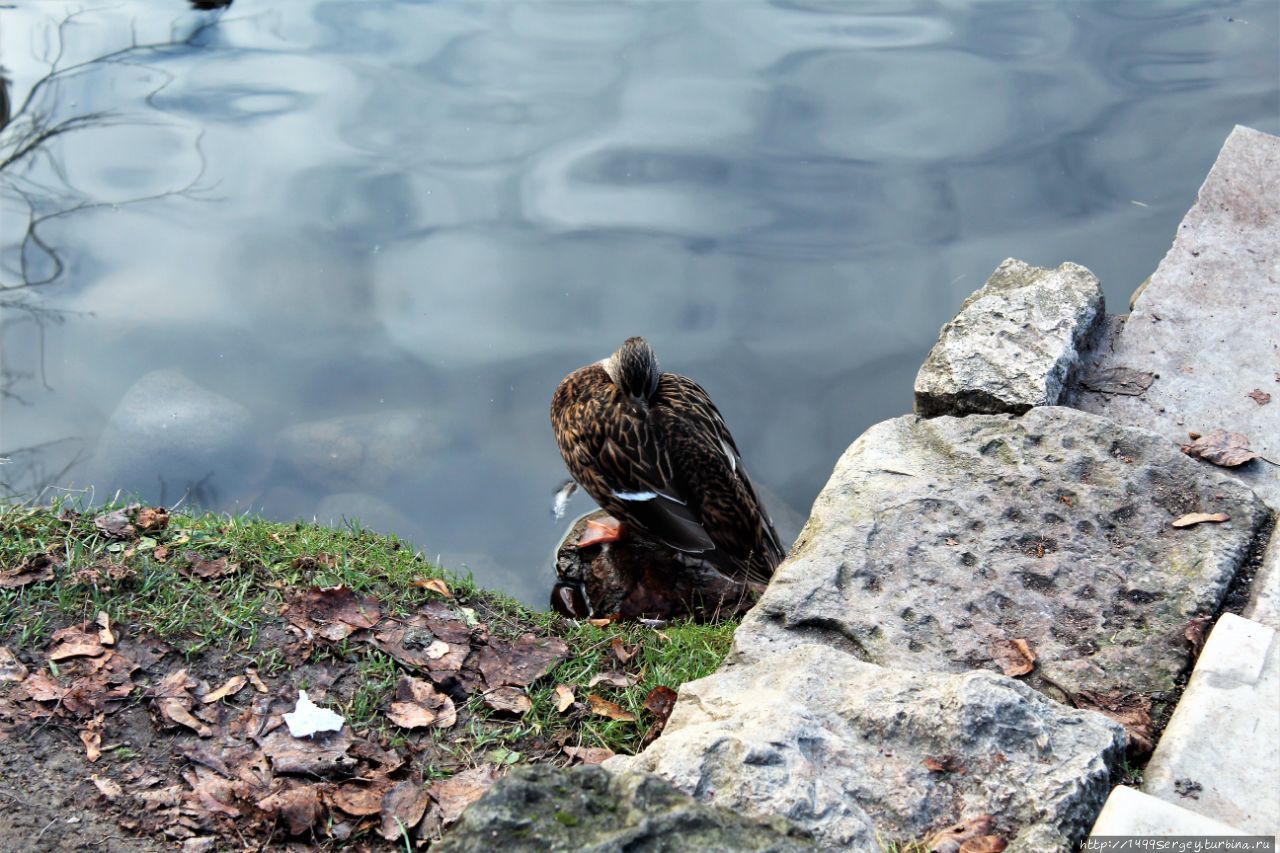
column 307, row 718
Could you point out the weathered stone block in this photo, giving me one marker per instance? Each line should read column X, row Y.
column 1014, row 343
column 1220, row 754
column 938, row 543
column 844, row 748
column 1130, row 812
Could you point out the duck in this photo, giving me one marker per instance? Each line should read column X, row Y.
column 654, row 452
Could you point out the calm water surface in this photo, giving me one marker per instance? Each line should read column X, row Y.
column 366, row 239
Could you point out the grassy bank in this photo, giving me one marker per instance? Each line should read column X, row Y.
column 225, row 595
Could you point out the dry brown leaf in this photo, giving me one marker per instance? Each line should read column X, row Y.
column 359, row 799
column 73, row 642
column 210, row 569
column 1196, row 632
column 944, row 764
column 173, row 701
column 333, row 613
column 660, row 701
column 508, row 700
column 402, row 808
column 255, row 680
column 299, row 806
column 603, row 622
column 161, row 553
column 115, row 524
column 588, row 754
column 1193, row 518
column 233, row 685
column 613, row 679
column 1220, row 447
column 564, row 697
column 12, row 669
column 1131, row 710
column 621, row 652
column 105, row 635
column 91, row 737
column 152, row 518
column 604, row 708
column 42, row 688
column 108, row 788
column 417, row 704
column 969, row 836
column 435, row 585
column 1259, row 396
column 521, row 663
column 29, row 571
column 1014, row 657
column 454, row 794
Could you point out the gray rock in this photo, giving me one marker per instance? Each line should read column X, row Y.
column 839, row 746
column 1014, row 343
column 169, row 437
column 937, row 543
column 539, row 808
column 1207, row 327
column 359, row 452
column 342, row 507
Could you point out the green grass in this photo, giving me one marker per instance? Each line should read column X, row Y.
column 226, row 616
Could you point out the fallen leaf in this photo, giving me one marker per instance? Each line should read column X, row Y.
column 1259, row 396
column 454, row 794
column 29, row 571
column 564, row 697
column 91, row 737
column 1192, row 518
column 1220, row 447
column 603, row 622
column 588, row 754
column 1196, row 632
column 1131, row 710
column 210, row 569
column 42, row 688
column 152, row 518
column 161, row 553
column 104, row 629
column 333, row 613
column 1014, row 657
column 435, row 585
column 621, row 652
column 418, row 704
column 255, row 680
column 660, row 701
column 298, row 805
column 115, row 524
column 969, row 836
column 521, row 663
column 359, row 799
column 613, row 679
column 1118, row 380
column 307, row 718
column 12, row 669
column 233, row 685
column 402, row 808
column 508, row 700
column 944, row 764
column 604, row 708
column 502, row 756
column 108, row 788
column 74, row 642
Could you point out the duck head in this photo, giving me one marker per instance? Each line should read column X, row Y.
column 634, row 369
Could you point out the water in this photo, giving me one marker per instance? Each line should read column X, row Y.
column 430, row 212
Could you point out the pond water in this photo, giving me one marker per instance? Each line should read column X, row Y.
column 361, row 242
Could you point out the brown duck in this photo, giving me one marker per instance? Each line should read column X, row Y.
column 653, row 451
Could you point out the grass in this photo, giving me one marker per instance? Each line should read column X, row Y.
column 138, row 583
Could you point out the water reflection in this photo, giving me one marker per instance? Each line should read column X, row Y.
column 414, row 218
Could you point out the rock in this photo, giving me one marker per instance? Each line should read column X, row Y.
column 542, row 808
column 336, row 509
column 1221, row 749
column 840, row 746
column 359, row 452
column 1014, row 343
column 637, row 577
column 1264, row 602
column 1129, row 812
column 1206, row 326
column 939, row 543
column 169, row 437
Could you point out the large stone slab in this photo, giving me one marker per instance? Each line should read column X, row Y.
column 358, row 453
column 1220, row 754
column 940, row 542
column 1206, row 330
column 844, row 748
column 1130, row 812
column 540, row 808
column 1014, row 343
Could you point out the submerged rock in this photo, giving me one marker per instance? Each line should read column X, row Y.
column 638, row 577
column 169, row 437
column 939, row 544
column 863, row 755
column 1014, row 343
column 540, row 808
column 357, row 453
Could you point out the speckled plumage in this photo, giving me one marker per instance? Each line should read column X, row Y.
column 626, row 429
